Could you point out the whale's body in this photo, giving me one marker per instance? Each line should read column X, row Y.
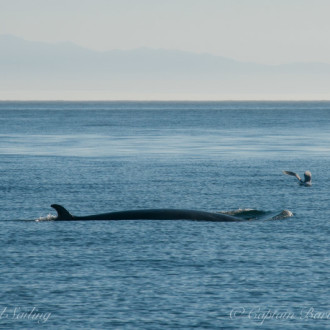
column 149, row 214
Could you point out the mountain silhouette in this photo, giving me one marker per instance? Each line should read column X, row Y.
column 30, row 65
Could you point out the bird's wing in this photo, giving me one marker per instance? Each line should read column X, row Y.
column 292, row 174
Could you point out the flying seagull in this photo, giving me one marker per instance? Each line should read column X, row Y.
column 307, row 175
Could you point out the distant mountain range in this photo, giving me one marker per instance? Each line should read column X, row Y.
column 40, row 66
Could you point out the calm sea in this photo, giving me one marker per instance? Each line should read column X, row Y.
column 96, row 157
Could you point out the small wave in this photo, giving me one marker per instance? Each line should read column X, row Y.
column 252, row 214
column 49, row 217
column 284, row 214
column 248, row 214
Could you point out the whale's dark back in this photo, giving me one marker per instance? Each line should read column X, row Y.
column 161, row 214
column 150, row 214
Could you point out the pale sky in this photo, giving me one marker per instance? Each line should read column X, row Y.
column 262, row 31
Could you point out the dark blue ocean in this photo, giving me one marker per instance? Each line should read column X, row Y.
column 96, row 157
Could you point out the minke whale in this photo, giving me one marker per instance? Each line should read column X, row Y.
column 149, row 214
column 307, row 175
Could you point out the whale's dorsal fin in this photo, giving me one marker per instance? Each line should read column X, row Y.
column 62, row 213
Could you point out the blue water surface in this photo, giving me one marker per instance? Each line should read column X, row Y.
column 96, row 157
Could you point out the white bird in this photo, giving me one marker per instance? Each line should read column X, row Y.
column 307, row 175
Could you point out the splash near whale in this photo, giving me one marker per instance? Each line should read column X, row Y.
column 169, row 214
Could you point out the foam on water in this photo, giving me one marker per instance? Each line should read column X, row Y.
column 284, row 214
column 49, row 217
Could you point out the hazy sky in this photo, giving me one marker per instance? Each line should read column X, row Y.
column 264, row 31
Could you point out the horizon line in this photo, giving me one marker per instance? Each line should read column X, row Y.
column 166, row 100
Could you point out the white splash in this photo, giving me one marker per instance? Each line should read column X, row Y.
column 49, row 217
column 284, row 214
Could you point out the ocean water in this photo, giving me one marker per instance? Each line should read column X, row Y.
column 96, row 157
